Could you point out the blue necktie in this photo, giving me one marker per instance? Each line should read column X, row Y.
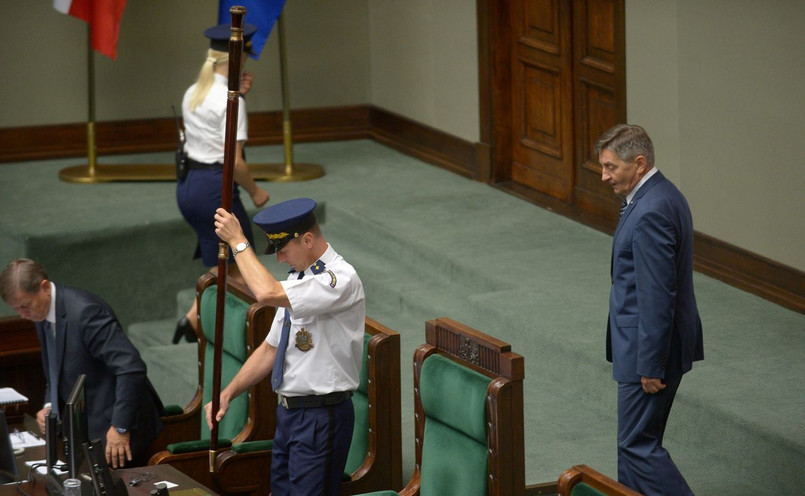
column 624, row 204
column 279, row 358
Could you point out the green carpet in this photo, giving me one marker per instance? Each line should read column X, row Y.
column 428, row 244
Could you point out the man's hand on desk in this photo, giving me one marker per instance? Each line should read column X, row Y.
column 118, row 448
column 41, row 415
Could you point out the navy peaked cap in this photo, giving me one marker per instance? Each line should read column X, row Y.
column 285, row 221
column 219, row 36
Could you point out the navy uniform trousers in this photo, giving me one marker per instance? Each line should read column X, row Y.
column 643, row 463
column 310, row 449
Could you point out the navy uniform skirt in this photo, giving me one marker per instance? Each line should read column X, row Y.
column 198, row 196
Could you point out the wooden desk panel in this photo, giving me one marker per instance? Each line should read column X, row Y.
column 21, row 364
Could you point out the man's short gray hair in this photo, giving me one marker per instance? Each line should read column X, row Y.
column 627, row 141
column 21, row 274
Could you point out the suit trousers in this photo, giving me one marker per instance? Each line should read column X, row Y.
column 643, row 464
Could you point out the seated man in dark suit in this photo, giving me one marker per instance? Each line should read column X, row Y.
column 80, row 334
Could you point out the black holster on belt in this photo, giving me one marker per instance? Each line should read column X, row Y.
column 181, row 155
column 181, row 162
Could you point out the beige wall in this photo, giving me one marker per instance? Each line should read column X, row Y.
column 424, row 57
column 717, row 84
column 719, row 87
column 652, row 88
column 160, row 51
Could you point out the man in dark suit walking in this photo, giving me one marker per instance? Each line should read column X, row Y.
column 654, row 333
column 80, row 334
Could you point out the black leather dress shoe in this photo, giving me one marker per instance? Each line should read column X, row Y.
column 183, row 328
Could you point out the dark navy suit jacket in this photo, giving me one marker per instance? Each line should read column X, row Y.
column 89, row 340
column 653, row 329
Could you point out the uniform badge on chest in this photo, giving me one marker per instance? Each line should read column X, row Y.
column 304, row 341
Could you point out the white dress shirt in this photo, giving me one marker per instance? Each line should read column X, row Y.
column 640, row 183
column 205, row 127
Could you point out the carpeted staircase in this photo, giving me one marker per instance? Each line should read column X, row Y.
column 164, row 359
column 427, row 244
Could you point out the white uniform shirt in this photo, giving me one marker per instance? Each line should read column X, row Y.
column 205, row 128
column 331, row 307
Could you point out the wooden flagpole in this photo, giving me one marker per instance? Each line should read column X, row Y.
column 228, row 183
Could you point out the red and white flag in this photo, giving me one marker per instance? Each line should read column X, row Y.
column 103, row 17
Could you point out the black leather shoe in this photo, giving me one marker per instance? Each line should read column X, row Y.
column 183, row 328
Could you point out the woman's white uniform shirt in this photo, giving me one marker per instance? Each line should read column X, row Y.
column 205, row 128
column 331, row 307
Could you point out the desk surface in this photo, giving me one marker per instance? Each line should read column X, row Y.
column 36, row 487
column 160, row 473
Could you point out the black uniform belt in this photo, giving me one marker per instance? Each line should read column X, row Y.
column 192, row 164
column 315, row 401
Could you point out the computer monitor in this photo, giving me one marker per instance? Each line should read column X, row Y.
column 85, row 460
column 8, row 464
column 51, row 440
column 74, row 427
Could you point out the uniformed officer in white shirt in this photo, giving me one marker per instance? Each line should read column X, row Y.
column 313, row 350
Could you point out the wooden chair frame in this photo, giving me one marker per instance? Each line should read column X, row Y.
column 186, row 426
column 594, row 479
column 250, row 473
column 493, row 358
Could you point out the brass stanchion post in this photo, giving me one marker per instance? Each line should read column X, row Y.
column 289, row 171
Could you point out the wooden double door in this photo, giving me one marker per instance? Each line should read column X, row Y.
column 560, row 82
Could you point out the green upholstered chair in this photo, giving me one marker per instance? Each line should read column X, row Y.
column 251, row 415
column 468, row 392
column 375, row 456
column 582, row 480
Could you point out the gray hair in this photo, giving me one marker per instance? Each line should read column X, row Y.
column 627, row 141
column 21, row 274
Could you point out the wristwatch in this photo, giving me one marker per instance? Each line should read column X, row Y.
column 121, row 430
column 240, row 247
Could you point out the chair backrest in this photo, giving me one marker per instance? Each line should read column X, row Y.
column 375, row 458
column 246, row 324
column 360, row 401
column 581, row 480
column 454, row 451
column 375, row 455
column 468, row 413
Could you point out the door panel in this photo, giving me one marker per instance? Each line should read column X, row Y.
column 600, row 95
column 597, row 111
column 542, row 147
column 567, row 86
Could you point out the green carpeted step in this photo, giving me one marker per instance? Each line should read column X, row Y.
column 154, row 333
column 184, row 300
column 428, row 243
column 173, row 370
column 560, row 331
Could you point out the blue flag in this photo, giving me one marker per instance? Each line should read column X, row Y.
column 261, row 13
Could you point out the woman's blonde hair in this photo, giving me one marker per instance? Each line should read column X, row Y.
column 206, row 77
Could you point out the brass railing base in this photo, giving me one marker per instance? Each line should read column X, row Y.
column 283, row 173
column 110, row 173
column 104, row 173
